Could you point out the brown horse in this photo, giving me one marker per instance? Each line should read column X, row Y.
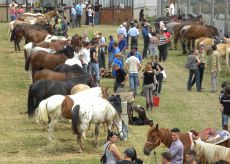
column 35, row 36
column 156, row 136
column 194, row 32
column 52, row 75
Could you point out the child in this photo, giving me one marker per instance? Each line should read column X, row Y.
column 149, row 85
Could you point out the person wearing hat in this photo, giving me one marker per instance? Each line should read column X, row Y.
column 136, row 53
column 128, row 155
column 13, row 11
column 176, row 149
column 115, row 51
column 120, row 77
column 145, row 33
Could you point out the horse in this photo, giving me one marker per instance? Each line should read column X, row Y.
column 212, row 153
column 69, row 100
column 156, row 136
column 95, row 111
column 69, row 68
column 43, row 89
column 43, row 60
column 52, row 75
column 194, row 32
column 224, row 50
column 49, row 112
column 74, row 60
column 79, row 88
column 21, row 30
column 35, row 36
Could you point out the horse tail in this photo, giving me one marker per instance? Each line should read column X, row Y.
column 42, row 115
column 30, row 102
column 76, row 119
column 13, row 35
column 27, row 64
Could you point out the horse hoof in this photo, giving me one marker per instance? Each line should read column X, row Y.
column 79, row 150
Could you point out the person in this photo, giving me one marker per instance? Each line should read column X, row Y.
column 86, row 12
column 120, row 78
column 115, row 51
column 153, row 44
column 223, row 86
column 122, row 31
column 168, row 40
column 162, row 46
column 73, row 16
column 91, row 15
column 145, row 33
column 111, row 150
column 58, row 27
column 176, row 149
column 136, row 53
column 158, row 69
column 85, row 37
column 171, row 8
column 94, row 66
column 97, row 10
column 64, row 27
column 122, row 45
column 190, row 157
column 128, row 155
column 110, row 51
column 133, row 33
column 101, row 52
column 141, row 15
column 13, row 11
column 79, row 12
column 166, row 157
column 135, row 158
column 166, row 11
column 148, row 81
column 20, row 11
column 84, row 56
column 225, row 107
column 201, row 66
column 192, row 66
column 215, row 68
column 133, row 66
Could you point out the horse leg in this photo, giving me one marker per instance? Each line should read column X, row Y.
column 96, row 133
column 15, row 45
column 50, row 129
column 183, row 48
column 79, row 143
column 188, row 45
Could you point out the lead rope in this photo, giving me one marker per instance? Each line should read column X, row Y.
column 154, row 152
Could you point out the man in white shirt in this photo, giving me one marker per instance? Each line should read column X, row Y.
column 84, row 56
column 133, row 33
column 121, row 31
column 171, row 8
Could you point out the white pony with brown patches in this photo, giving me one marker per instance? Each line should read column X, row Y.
column 212, row 153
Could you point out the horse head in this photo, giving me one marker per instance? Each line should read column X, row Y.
column 76, row 42
column 153, row 139
column 213, row 30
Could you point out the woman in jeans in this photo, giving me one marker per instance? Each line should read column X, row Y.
column 149, row 85
column 111, row 150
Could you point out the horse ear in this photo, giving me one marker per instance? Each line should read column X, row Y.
column 194, row 142
column 157, row 126
column 151, row 123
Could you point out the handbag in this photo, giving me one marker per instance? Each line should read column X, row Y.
column 103, row 157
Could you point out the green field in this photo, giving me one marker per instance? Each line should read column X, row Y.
column 24, row 141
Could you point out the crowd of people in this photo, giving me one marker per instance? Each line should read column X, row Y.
column 15, row 11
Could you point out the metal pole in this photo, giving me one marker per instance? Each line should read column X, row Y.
column 200, row 7
column 212, row 13
column 226, row 18
column 188, row 7
column 158, row 8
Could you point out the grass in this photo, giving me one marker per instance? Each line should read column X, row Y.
column 23, row 141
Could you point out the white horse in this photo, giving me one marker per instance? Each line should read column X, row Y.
column 212, row 153
column 95, row 111
column 74, row 60
column 49, row 112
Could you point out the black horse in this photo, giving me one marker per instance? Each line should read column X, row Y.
column 69, row 68
column 43, row 89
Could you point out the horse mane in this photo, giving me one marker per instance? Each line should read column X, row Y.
column 214, row 29
column 212, row 153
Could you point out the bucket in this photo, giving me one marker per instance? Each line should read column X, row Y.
column 156, row 101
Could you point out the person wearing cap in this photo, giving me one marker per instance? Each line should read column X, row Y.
column 120, row 77
column 176, row 149
column 201, row 66
column 133, row 33
column 136, row 53
column 111, row 150
column 128, row 155
column 145, row 33
column 133, row 66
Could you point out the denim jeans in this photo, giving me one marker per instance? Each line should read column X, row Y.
column 196, row 75
column 96, row 18
column 95, row 70
column 214, row 80
column 133, row 81
column 85, row 68
column 224, row 120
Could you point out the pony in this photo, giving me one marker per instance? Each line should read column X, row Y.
column 52, row 75
column 35, row 36
column 212, row 153
column 156, row 136
column 194, row 32
column 74, row 60
column 43, row 89
column 49, row 112
column 69, row 68
column 224, row 50
column 21, row 30
column 79, row 88
column 95, row 111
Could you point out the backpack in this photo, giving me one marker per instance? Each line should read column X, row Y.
column 115, row 100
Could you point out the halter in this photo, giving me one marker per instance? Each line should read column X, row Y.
column 123, row 130
column 148, row 142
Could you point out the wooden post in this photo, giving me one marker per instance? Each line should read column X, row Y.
column 188, row 6
column 212, row 13
column 226, row 17
column 200, row 6
column 158, row 8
